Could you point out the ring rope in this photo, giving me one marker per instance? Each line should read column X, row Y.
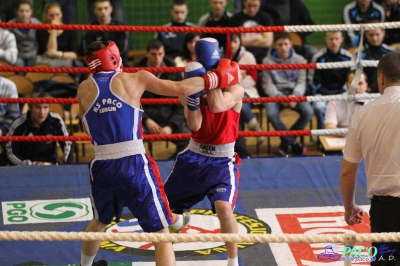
column 318, row 98
column 85, row 70
column 179, row 136
column 227, row 30
column 159, row 237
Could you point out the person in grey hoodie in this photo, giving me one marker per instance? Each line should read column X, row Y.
column 286, row 82
column 25, row 38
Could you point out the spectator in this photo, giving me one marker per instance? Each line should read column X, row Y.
column 252, row 16
column 247, row 80
column 117, row 13
column 392, row 14
column 329, row 81
column 57, row 48
column 374, row 49
column 8, row 47
column 292, row 12
column 173, row 40
column 358, row 12
column 26, row 38
column 373, row 137
column 8, row 112
column 218, row 17
column 68, row 8
column 337, row 113
column 188, row 50
column 55, row 44
column 103, row 9
column 162, row 118
column 238, row 5
column 286, row 82
column 7, row 9
column 38, row 121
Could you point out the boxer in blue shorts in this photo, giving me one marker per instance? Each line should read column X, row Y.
column 122, row 174
column 209, row 166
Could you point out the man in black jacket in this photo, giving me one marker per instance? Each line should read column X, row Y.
column 38, row 121
column 162, row 118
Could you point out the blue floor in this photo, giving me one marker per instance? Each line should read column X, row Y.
column 55, row 198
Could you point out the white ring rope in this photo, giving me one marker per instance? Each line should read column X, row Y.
column 348, row 64
column 342, row 27
column 329, row 132
column 341, row 97
column 157, row 237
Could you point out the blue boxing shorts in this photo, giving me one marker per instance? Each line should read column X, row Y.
column 135, row 182
column 195, row 176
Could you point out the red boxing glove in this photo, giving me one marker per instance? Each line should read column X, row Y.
column 225, row 75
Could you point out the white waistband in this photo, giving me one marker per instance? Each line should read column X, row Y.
column 119, row 150
column 221, row 150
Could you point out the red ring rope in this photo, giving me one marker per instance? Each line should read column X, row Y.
column 153, row 137
column 151, row 101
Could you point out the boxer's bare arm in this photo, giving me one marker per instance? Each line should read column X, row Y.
column 170, row 88
column 193, row 118
column 219, row 101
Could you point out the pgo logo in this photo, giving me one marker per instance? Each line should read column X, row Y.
column 201, row 221
column 46, row 211
column 59, row 210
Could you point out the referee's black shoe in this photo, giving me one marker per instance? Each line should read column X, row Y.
column 100, row 263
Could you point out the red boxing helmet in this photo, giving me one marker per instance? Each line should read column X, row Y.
column 105, row 59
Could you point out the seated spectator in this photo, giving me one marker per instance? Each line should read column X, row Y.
column 188, row 50
column 162, row 118
column 252, row 16
column 57, row 47
column 374, row 49
column 337, row 112
column 218, row 17
column 286, row 82
column 68, row 7
column 7, row 9
column 328, row 81
column 103, row 10
column 8, row 47
column 38, row 121
column 55, row 44
column 26, row 38
column 392, row 14
column 173, row 40
column 292, row 12
column 247, row 80
column 8, row 112
column 238, row 5
column 117, row 13
column 359, row 12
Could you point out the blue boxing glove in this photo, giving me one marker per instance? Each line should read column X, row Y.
column 193, row 69
column 207, row 52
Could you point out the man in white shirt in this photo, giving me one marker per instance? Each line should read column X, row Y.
column 374, row 135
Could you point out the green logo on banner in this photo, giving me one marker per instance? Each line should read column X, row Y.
column 59, row 210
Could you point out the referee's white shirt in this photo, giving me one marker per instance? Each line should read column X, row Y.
column 374, row 135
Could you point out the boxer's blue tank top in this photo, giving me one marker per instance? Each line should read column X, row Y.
column 110, row 120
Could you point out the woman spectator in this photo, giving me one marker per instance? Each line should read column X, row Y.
column 57, row 47
column 188, row 50
column 26, row 38
column 56, row 44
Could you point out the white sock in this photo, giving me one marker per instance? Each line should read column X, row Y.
column 233, row 262
column 178, row 223
column 86, row 260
